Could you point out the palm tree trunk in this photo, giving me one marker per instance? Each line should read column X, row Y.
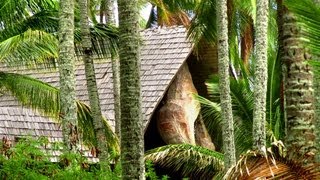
column 115, row 71
column 224, row 83
column 110, row 12
column 132, row 142
column 107, row 11
column 67, row 78
column 299, row 94
column 316, row 85
column 261, row 76
column 92, row 85
column 103, row 7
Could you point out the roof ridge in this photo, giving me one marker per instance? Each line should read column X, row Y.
column 159, row 28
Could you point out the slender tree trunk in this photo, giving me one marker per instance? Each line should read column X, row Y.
column 115, row 71
column 299, row 94
column 67, row 78
column 116, row 95
column 103, row 7
column 132, row 142
column 261, row 76
column 92, row 85
column 224, row 82
column 110, row 12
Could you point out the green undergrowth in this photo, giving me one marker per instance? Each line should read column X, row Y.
column 27, row 160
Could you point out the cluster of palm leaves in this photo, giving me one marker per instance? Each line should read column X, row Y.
column 28, row 36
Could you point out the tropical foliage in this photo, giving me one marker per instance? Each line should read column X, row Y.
column 29, row 36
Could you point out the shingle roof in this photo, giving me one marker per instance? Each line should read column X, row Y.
column 162, row 54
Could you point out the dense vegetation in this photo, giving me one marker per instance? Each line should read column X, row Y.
column 262, row 109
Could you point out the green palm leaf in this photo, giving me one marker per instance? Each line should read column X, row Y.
column 32, row 38
column 190, row 160
column 12, row 11
column 29, row 48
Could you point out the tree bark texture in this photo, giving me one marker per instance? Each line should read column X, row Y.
column 110, row 12
column 316, row 85
column 111, row 19
column 261, row 76
column 92, row 84
column 299, row 93
column 224, row 83
column 68, row 107
column 132, row 139
column 116, row 94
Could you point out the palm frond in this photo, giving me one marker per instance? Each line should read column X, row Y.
column 104, row 40
column 29, row 48
column 45, row 20
column 32, row 93
column 13, row 11
column 203, row 26
column 211, row 112
column 190, row 160
column 174, row 12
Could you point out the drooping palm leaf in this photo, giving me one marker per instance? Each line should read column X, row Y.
column 203, row 25
column 28, row 48
column 15, row 11
column 44, row 98
column 33, row 37
column 190, row 160
column 45, row 20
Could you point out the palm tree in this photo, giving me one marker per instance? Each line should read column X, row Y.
column 92, row 85
column 132, row 143
column 261, row 77
column 299, row 92
column 110, row 13
column 67, row 77
column 225, row 99
column 307, row 14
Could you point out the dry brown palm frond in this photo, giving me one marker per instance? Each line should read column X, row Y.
column 272, row 165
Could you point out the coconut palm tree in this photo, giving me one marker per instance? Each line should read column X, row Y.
column 132, row 143
column 299, row 92
column 224, row 84
column 307, row 14
column 110, row 15
column 67, row 76
column 261, row 76
column 92, row 85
